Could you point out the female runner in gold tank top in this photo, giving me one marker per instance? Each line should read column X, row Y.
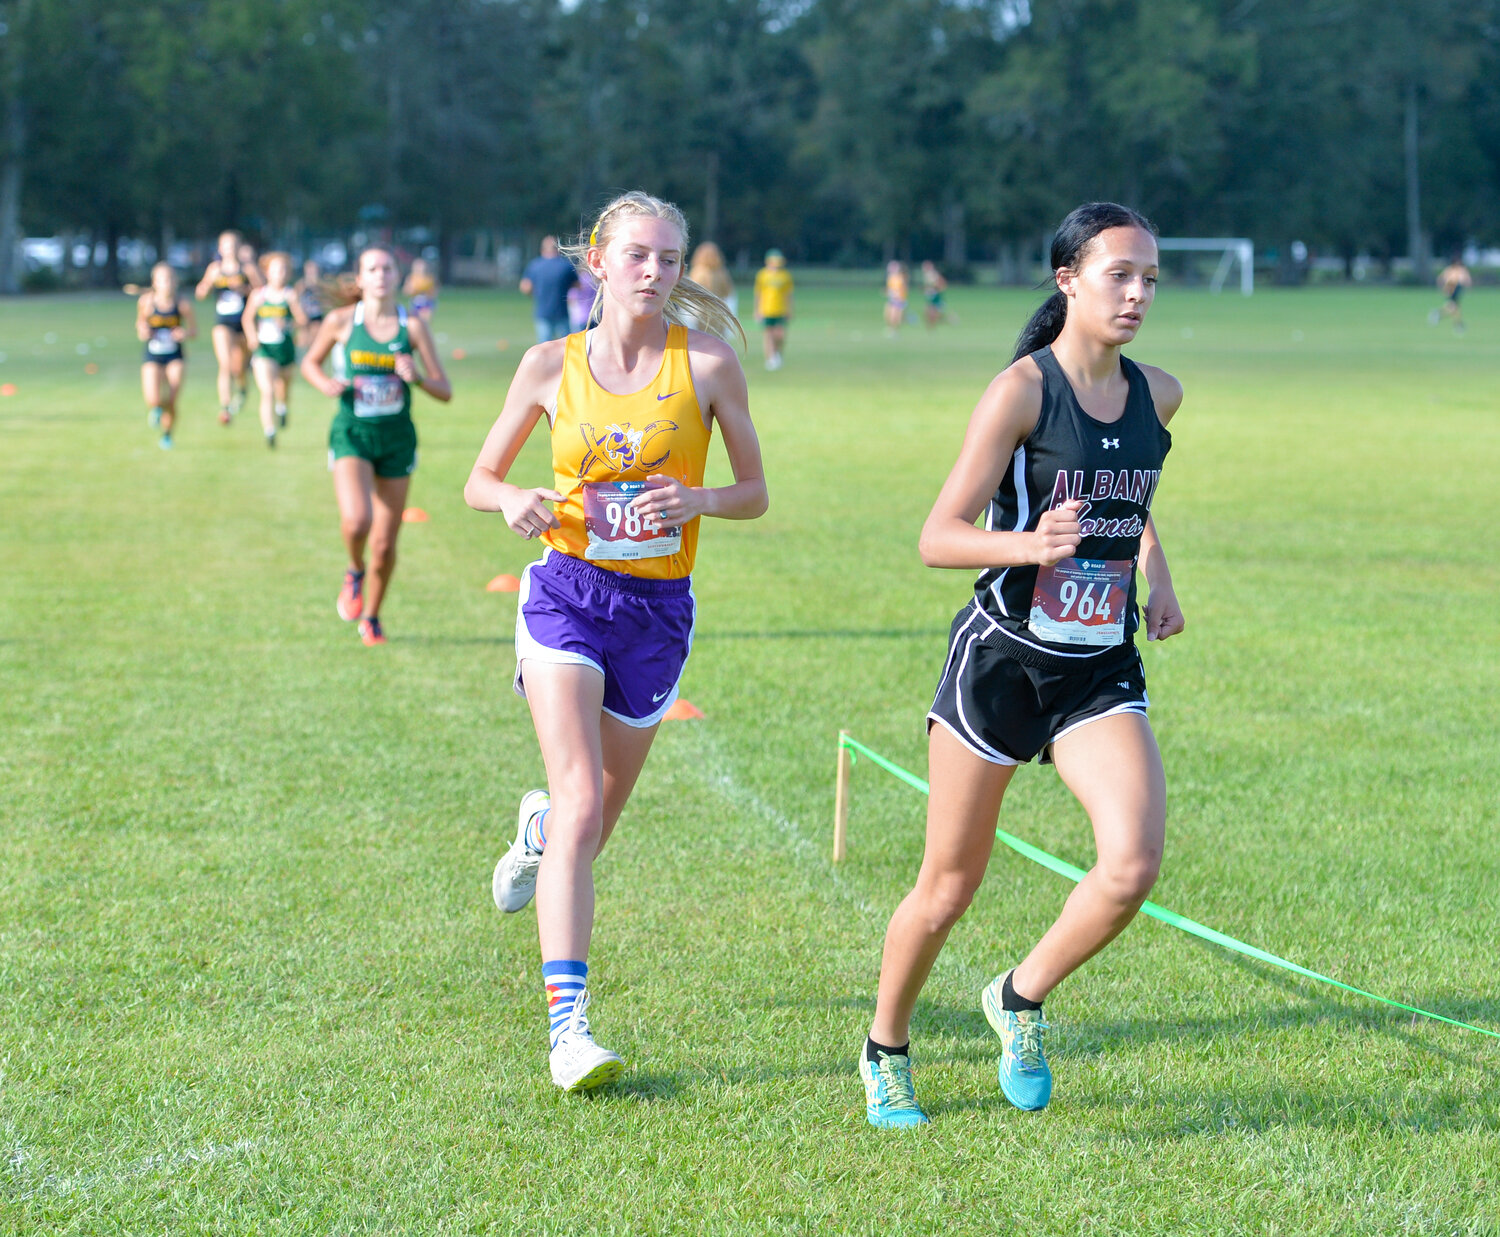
column 606, row 617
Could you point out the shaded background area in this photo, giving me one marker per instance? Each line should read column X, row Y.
column 1355, row 131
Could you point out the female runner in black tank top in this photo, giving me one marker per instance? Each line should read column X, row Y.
column 230, row 282
column 1025, row 673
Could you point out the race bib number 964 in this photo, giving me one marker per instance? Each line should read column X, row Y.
column 616, row 530
column 1081, row 601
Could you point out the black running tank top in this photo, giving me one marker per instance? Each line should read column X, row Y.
column 1085, row 607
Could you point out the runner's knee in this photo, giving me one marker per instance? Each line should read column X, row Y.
column 942, row 900
column 1129, row 878
column 576, row 823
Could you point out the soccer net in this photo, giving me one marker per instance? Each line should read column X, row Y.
column 1231, row 248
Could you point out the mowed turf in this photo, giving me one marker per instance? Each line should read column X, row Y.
column 251, row 979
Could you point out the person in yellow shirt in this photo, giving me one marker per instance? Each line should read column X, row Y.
column 606, row 616
column 897, row 288
column 773, row 304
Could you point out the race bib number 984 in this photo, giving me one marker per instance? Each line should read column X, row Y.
column 616, row 530
column 1081, row 601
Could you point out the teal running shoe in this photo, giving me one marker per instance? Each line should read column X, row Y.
column 166, row 442
column 890, row 1099
column 1025, row 1076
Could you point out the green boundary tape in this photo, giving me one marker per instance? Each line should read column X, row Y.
column 1052, row 863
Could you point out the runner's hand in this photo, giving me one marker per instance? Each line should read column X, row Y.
column 672, row 503
column 1163, row 614
column 1057, row 534
column 406, row 368
column 527, row 513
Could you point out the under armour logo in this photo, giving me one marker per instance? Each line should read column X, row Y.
column 1110, row 442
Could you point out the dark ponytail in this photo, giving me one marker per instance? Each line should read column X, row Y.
column 1073, row 237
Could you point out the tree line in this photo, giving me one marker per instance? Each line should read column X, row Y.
column 838, row 130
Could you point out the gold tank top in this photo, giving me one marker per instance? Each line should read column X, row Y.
column 604, row 446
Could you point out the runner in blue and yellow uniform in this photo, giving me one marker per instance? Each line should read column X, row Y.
column 372, row 443
column 163, row 319
column 1063, row 454
column 230, row 282
column 606, row 616
column 272, row 317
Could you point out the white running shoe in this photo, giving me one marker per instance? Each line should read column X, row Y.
column 579, row 1064
column 515, row 874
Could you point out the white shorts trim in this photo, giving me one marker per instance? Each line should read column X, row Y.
column 528, row 647
column 645, row 723
column 1131, row 706
column 979, row 749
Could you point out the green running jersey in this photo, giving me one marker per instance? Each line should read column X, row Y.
column 375, row 390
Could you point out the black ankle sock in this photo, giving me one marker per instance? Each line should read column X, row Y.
column 872, row 1048
column 1011, row 999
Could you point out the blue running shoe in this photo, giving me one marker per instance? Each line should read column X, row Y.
column 166, row 442
column 890, row 1099
column 1025, row 1077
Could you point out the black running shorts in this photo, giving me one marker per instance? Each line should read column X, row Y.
column 1008, row 712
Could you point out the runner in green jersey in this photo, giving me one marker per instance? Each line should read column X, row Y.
column 271, row 316
column 372, row 444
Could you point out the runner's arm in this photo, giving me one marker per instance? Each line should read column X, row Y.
column 205, row 285
column 1006, row 414
column 247, row 318
column 720, row 382
column 1163, row 613
column 431, row 377
column 533, row 387
column 322, row 344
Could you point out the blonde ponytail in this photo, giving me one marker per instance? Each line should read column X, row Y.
column 690, row 304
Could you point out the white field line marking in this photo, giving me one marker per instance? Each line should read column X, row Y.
column 718, row 775
column 162, row 1162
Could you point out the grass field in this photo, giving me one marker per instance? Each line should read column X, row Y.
column 251, row 979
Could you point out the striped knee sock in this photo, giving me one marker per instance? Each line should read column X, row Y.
column 536, row 832
column 565, row 981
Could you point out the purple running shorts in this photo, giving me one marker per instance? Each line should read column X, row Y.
column 636, row 633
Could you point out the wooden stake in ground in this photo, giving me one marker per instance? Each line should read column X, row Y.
column 841, row 801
